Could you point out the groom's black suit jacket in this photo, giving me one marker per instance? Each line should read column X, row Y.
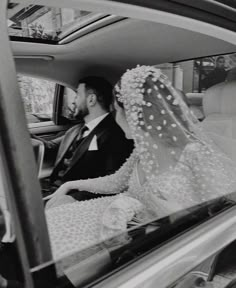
column 113, row 150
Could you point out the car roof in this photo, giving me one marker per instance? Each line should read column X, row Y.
column 121, row 43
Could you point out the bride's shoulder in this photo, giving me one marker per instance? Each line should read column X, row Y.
column 194, row 147
column 194, row 150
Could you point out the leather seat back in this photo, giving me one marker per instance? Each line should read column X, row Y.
column 219, row 106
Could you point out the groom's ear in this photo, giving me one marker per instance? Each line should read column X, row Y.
column 91, row 99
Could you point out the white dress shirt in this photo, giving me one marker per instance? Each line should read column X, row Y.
column 93, row 123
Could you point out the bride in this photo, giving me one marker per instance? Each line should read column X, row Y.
column 174, row 166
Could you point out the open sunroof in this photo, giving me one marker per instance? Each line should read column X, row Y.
column 35, row 23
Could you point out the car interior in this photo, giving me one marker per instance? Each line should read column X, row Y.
column 107, row 44
column 99, row 53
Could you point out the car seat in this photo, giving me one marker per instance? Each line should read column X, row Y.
column 219, row 106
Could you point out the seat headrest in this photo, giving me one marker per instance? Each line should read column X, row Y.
column 220, row 99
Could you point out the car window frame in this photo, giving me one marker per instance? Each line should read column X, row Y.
column 25, row 203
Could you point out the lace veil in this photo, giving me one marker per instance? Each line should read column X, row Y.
column 164, row 130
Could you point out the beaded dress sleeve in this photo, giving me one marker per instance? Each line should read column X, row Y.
column 112, row 184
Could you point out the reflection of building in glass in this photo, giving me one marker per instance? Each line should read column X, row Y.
column 195, row 76
column 209, row 71
column 217, row 75
column 174, row 72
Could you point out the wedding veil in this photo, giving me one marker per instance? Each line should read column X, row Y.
column 167, row 135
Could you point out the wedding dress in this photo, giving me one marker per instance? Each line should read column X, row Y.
column 79, row 225
column 76, row 226
column 182, row 167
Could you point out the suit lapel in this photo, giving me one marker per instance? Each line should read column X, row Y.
column 67, row 142
column 84, row 145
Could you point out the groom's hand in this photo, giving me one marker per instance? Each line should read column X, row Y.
column 58, row 194
column 62, row 190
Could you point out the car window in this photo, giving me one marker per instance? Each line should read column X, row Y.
column 114, row 252
column 37, row 95
column 106, row 257
column 42, row 24
column 202, row 73
column 195, row 76
column 124, row 248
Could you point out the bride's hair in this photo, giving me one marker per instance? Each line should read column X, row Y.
column 116, row 95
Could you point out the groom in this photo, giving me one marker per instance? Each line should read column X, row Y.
column 94, row 148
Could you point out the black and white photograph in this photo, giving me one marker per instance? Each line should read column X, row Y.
column 117, row 143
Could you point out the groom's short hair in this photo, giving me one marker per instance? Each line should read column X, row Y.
column 101, row 87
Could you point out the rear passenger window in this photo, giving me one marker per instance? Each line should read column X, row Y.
column 194, row 77
column 37, row 95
